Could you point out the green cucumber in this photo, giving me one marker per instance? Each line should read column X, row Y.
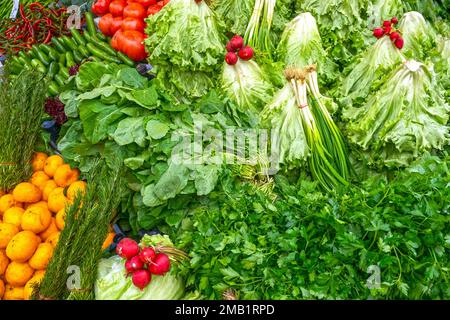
column 24, row 56
column 25, row 63
column 84, row 52
column 62, row 59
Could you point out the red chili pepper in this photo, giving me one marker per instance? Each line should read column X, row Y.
column 22, row 13
column 48, row 38
column 36, row 6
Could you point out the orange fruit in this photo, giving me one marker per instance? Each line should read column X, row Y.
column 27, row 192
column 57, row 200
column 52, row 228
column 39, row 178
column 22, row 246
column 18, row 273
column 4, row 261
column 7, row 201
column 7, row 232
column 75, row 188
column 64, row 175
column 38, row 161
column 52, row 164
column 13, row 216
column 42, row 256
column 53, row 239
column 59, row 219
column 2, row 289
column 36, row 219
column 37, row 278
column 13, row 293
column 48, row 187
column 2, row 193
column 41, row 204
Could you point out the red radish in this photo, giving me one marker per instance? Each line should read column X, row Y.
column 237, row 43
column 394, row 20
column 147, row 255
column 247, row 53
column 127, row 248
column 387, row 29
column 378, row 33
column 386, row 23
column 134, row 264
column 394, row 36
column 399, row 43
column 231, row 58
column 229, row 47
column 141, row 278
column 160, row 265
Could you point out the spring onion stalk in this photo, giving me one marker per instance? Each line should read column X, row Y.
column 258, row 30
column 335, row 143
column 321, row 162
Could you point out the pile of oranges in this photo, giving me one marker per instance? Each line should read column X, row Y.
column 31, row 218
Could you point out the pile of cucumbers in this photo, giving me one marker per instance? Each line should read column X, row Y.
column 57, row 58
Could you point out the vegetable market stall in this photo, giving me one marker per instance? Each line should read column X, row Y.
column 262, row 149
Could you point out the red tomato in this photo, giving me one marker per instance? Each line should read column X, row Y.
column 154, row 9
column 116, row 24
column 116, row 7
column 134, row 10
column 146, row 3
column 104, row 24
column 133, row 24
column 131, row 43
column 115, row 40
column 101, row 7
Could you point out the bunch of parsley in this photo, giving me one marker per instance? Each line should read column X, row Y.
column 382, row 239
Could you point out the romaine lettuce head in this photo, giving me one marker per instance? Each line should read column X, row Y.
column 406, row 117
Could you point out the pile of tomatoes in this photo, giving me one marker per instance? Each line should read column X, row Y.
column 123, row 20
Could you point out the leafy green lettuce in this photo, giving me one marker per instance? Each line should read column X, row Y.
column 370, row 66
column 381, row 10
column 235, row 14
column 283, row 116
column 185, row 43
column 404, row 118
column 419, row 36
column 301, row 45
column 247, row 86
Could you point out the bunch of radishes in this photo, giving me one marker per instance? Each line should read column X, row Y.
column 235, row 48
column 388, row 29
column 142, row 263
